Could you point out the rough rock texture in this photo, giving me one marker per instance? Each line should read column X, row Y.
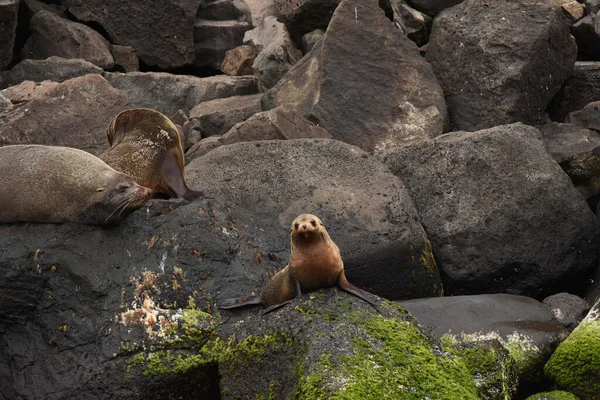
column 573, row 10
column 311, row 38
column 303, row 16
column 414, row 24
column 567, row 308
column 433, row 7
column 368, row 213
column 592, row 6
column 501, row 214
column 53, row 68
column 587, row 34
column 125, row 58
column 5, row 104
column 275, row 124
column 161, row 32
column 74, row 113
column 494, row 61
column 216, row 117
column 276, row 53
column 238, row 61
column 337, row 87
column 169, row 93
column 588, row 117
column 8, row 26
column 575, row 364
column 581, row 88
column 55, row 36
column 525, row 327
column 219, row 27
column 35, row 6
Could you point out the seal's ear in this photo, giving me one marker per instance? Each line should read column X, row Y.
column 100, row 189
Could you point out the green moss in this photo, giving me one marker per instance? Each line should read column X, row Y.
column 575, row 364
column 555, row 395
column 427, row 259
column 527, row 356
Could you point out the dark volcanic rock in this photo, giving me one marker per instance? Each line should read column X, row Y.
column 161, row 32
column 303, row 16
column 588, row 117
column 74, row 113
column 35, row 6
column 125, row 58
column 169, row 93
column 581, row 88
column 592, row 6
column 501, row 214
column 567, row 308
column 587, row 34
column 433, row 7
column 500, row 61
column 56, row 36
column 368, row 213
column 53, row 68
column 336, row 86
column 8, row 26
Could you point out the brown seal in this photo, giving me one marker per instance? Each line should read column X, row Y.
column 315, row 262
column 56, row 184
column 146, row 145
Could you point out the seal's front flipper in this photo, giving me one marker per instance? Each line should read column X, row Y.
column 350, row 288
column 172, row 175
column 239, row 302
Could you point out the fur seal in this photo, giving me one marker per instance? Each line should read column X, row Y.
column 315, row 262
column 55, row 184
column 146, row 145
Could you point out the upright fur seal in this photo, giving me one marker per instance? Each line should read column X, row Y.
column 315, row 262
column 146, row 145
column 56, row 184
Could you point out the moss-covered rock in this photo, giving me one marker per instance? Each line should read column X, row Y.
column 554, row 395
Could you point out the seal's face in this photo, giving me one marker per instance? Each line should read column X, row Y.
column 306, row 226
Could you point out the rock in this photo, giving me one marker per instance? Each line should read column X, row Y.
column 217, row 116
column 581, row 88
column 368, row 213
column 433, row 7
column 161, row 32
column 553, row 395
column 588, row 117
column 276, row 52
column 414, row 24
column 238, row 61
column 168, row 93
column 587, row 34
column 501, row 214
column 125, row 58
column 275, row 124
column 53, row 68
column 336, row 87
column 524, row 326
column 574, row 365
column 592, row 6
column 8, row 30
column 567, row 308
column 5, row 104
column 35, row 6
column 573, row 10
column 493, row 62
column 56, row 36
column 303, row 16
column 311, row 38
column 219, row 27
column 261, row 9
column 74, row 113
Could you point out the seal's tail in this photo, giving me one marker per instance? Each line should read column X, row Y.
column 240, row 302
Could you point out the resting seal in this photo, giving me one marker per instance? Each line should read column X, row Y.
column 146, row 145
column 56, row 184
column 315, row 262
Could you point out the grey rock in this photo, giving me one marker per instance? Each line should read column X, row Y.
column 56, row 69
column 35, row 6
column 433, row 7
column 261, row 9
column 5, row 104
column 587, row 34
column 74, row 113
column 373, row 108
column 588, row 117
column 592, row 6
column 493, row 62
column 501, row 214
column 168, row 93
column 580, row 89
column 567, row 308
column 8, row 30
column 56, row 36
column 311, row 38
column 161, row 32
column 368, row 213
column 414, row 24
column 125, row 58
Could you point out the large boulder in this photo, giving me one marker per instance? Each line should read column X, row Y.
column 8, row 30
column 501, row 214
column 56, row 69
column 581, row 88
column 169, row 93
column 74, row 113
column 367, row 210
column 56, row 36
column 336, row 86
column 494, row 63
column 161, row 32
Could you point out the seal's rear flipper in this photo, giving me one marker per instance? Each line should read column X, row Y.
column 275, row 307
column 172, row 175
column 240, row 302
column 191, row 195
column 350, row 288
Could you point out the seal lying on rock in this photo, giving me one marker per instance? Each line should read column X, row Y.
column 56, row 184
column 315, row 262
column 146, row 145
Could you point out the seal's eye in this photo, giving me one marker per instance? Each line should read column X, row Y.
column 313, row 222
column 296, row 225
column 124, row 187
column 100, row 190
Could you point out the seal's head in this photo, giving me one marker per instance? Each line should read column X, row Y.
column 307, row 228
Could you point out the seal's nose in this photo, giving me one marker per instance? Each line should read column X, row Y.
column 149, row 192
